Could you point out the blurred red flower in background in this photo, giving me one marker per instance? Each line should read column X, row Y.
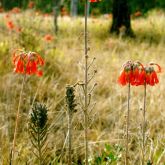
column 48, row 37
column 16, row 10
column 18, row 29
column 94, row 1
column 10, row 25
column 27, row 62
column 31, row 4
column 7, row 16
column 138, row 14
column 1, row 10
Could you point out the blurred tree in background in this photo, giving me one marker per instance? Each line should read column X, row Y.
column 121, row 18
column 74, row 8
column 105, row 6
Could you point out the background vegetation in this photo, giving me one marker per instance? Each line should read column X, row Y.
column 105, row 6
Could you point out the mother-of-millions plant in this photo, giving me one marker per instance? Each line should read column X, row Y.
column 149, row 77
column 125, row 78
column 25, row 63
column 38, row 130
column 135, row 74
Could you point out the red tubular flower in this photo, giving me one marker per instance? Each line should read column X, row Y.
column 122, row 78
column 154, row 78
column 127, row 74
column 149, row 76
column 141, row 79
column 27, row 62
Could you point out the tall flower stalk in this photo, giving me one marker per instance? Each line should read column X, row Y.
column 127, row 124
column 149, row 77
column 86, row 80
column 135, row 74
column 17, row 120
column 144, row 125
column 86, row 83
column 25, row 63
column 128, row 76
column 124, row 79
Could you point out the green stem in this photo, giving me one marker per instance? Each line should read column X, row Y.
column 16, row 122
column 144, row 123
column 127, row 125
column 86, row 84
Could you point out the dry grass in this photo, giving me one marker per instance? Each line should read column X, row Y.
column 64, row 57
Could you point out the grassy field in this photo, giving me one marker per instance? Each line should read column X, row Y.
column 64, row 58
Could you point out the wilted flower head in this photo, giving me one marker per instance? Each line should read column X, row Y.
column 128, row 74
column 27, row 62
column 150, row 76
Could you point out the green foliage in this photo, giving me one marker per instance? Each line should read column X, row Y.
column 28, row 40
column 38, row 130
column 110, row 155
column 45, row 5
column 149, row 163
column 4, row 56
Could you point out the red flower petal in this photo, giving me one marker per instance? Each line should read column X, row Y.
column 122, row 78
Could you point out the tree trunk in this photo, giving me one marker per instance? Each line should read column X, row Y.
column 74, row 5
column 121, row 18
column 56, row 11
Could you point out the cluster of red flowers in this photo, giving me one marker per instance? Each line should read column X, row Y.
column 136, row 74
column 27, row 62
